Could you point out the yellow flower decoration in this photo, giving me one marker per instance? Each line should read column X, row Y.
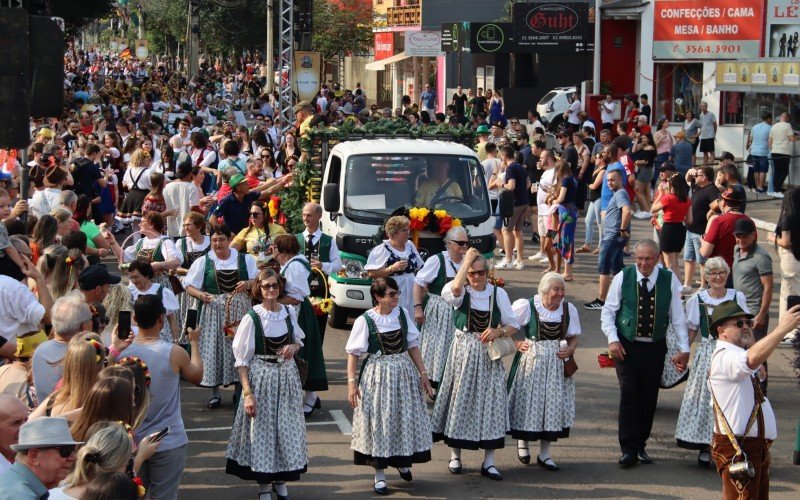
column 413, row 213
column 456, row 222
column 440, row 213
column 326, row 305
column 273, row 208
column 423, row 212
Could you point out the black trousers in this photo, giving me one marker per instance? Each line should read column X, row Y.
column 780, row 170
column 639, row 379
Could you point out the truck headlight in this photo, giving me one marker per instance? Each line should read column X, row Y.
column 352, row 268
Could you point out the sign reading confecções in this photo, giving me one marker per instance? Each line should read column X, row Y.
column 551, row 27
column 707, row 29
column 783, row 28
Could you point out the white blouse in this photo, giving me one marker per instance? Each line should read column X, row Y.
column 522, row 308
column 168, row 249
column 379, row 255
column 296, row 276
column 358, row 343
column 430, row 270
column 481, row 301
column 168, row 298
column 693, row 311
column 273, row 324
column 196, row 273
column 191, row 246
column 132, row 174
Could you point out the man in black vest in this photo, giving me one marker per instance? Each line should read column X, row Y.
column 321, row 251
column 641, row 303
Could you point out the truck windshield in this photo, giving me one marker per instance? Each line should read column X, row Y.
column 376, row 185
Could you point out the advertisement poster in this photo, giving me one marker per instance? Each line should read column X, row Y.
column 306, row 74
column 549, row 27
column 384, row 45
column 490, row 38
column 426, row 43
column 707, row 29
column 783, row 29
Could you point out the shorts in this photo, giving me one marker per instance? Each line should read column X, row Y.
column 517, row 220
column 673, row 236
column 542, row 222
column 691, row 250
column 760, row 164
column 609, row 262
column 645, row 175
column 498, row 221
column 707, row 145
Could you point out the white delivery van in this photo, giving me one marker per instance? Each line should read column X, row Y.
column 364, row 181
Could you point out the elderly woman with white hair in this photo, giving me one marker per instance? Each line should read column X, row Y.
column 396, row 257
column 431, row 312
column 471, row 409
column 541, row 398
column 696, row 417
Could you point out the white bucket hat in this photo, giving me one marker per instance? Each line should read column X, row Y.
column 45, row 432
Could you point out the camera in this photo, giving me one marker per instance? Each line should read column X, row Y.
column 742, row 470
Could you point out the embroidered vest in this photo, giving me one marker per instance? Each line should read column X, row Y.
column 532, row 331
column 153, row 254
column 393, row 342
column 260, row 345
column 461, row 315
column 413, row 265
column 632, row 319
column 210, row 274
column 323, row 246
column 189, row 257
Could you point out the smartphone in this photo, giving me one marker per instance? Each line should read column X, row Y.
column 123, row 324
column 191, row 319
column 160, row 435
column 792, row 300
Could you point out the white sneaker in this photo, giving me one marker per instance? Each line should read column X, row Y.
column 536, row 256
column 544, row 259
column 642, row 215
column 777, row 194
column 502, row 264
column 519, row 264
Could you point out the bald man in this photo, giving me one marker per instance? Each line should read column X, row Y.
column 13, row 413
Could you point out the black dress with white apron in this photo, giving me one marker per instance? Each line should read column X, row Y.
column 131, row 207
column 190, row 253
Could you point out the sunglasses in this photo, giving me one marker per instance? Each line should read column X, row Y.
column 64, row 451
column 23, row 359
column 460, row 243
column 392, row 293
column 479, row 272
column 271, row 286
column 255, row 214
column 740, row 323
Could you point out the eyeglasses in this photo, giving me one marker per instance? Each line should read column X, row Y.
column 65, row 451
column 255, row 214
column 740, row 323
column 478, row 273
column 392, row 293
column 718, row 274
column 460, row 243
column 271, row 286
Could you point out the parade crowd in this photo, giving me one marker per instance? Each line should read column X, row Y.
column 176, row 180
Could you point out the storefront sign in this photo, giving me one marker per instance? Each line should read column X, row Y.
column 384, row 45
column 426, row 43
column 707, row 29
column 551, row 27
column 783, row 27
column 753, row 76
column 455, row 37
column 490, row 38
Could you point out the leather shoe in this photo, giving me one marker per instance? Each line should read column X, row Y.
column 548, row 464
column 279, row 497
column 406, row 476
column 525, row 459
column 628, row 460
column 381, row 490
column 644, row 457
column 492, row 473
column 318, row 403
column 454, row 469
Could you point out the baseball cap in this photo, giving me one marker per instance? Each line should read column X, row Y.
column 667, row 166
column 236, row 180
column 96, row 275
column 744, row 226
column 735, row 195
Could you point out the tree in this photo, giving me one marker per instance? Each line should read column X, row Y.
column 342, row 26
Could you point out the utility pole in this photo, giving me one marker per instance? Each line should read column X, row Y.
column 193, row 38
column 270, row 47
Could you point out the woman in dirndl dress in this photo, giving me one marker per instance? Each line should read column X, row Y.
column 193, row 245
column 296, row 272
column 471, row 409
column 541, row 400
column 268, row 439
column 220, row 280
column 137, row 181
column 390, row 425
column 696, row 418
column 155, row 247
column 396, row 257
column 431, row 312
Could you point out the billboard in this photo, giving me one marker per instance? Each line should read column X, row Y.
column 384, row 45
column 490, row 38
column 424, row 43
column 548, row 27
column 783, row 29
column 707, row 29
column 455, row 37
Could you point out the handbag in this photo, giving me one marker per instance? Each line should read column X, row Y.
column 175, row 283
column 502, row 346
column 228, row 326
column 302, row 368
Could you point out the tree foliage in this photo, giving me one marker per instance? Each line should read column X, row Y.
column 342, row 26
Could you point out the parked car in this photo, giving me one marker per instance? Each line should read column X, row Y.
column 553, row 105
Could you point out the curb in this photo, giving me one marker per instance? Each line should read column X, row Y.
column 766, row 226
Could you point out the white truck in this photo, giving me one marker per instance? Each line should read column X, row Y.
column 365, row 181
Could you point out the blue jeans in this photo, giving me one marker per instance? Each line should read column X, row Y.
column 610, row 259
column 592, row 221
column 691, row 249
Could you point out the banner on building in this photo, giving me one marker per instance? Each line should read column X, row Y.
column 548, row 27
column 384, row 45
column 756, row 75
column 424, row 43
column 306, row 74
column 783, row 29
column 491, row 38
column 455, row 37
column 707, row 29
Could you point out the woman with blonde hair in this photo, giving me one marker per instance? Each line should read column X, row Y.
column 397, row 257
column 65, row 272
column 110, row 398
column 63, row 217
column 48, row 259
column 137, row 181
column 84, row 359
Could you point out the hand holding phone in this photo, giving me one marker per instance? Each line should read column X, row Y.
column 157, row 437
column 123, row 325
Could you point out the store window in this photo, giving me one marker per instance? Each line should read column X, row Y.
column 678, row 88
column 732, row 108
column 756, row 103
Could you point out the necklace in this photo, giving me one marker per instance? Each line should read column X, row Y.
column 142, row 339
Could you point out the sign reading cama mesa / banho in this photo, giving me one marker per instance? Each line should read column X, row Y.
column 707, row 29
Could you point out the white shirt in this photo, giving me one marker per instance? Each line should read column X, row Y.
column 490, row 165
column 168, row 249
column 168, row 298
column 181, row 196
column 358, row 343
column 335, row 265
column 129, row 180
column 379, row 255
column 547, row 180
column 273, row 324
column 693, row 311
column 430, row 270
column 481, row 301
column 196, row 273
column 4, row 464
column 20, row 311
column 575, row 109
column 588, row 123
column 522, row 308
column 607, row 116
column 58, row 494
column 780, row 133
column 44, row 201
column 729, row 381
column 296, row 275
column 677, row 315
column 531, row 127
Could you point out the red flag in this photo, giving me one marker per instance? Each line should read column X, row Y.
column 126, row 54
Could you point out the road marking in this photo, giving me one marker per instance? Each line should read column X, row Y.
column 340, row 420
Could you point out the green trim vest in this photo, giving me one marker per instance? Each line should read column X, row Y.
column 181, row 244
column 156, row 256
column 375, row 341
column 631, row 321
column 305, row 264
column 210, row 277
column 260, row 348
column 532, row 330
column 704, row 320
column 435, row 287
column 461, row 314
column 324, row 246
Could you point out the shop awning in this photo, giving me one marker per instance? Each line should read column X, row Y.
column 381, row 65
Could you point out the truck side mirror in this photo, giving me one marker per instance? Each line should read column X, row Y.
column 330, row 199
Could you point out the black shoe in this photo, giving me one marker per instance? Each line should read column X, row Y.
column 644, row 457
column 214, row 403
column 595, row 304
column 525, row 459
column 628, row 460
column 406, row 476
column 307, row 410
column 318, row 403
column 704, row 459
column 380, row 490
column 279, row 497
column 492, row 473
column 547, row 464
column 535, row 238
column 454, row 469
